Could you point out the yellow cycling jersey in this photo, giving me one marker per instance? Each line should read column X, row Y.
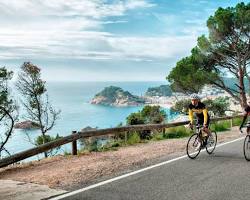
column 200, row 110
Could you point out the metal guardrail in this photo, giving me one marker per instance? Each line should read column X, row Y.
column 100, row 132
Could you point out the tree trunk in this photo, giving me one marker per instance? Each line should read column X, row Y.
column 243, row 98
column 45, row 153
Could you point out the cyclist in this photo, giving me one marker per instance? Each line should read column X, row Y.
column 246, row 113
column 201, row 112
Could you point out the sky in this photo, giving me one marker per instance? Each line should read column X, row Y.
column 102, row 40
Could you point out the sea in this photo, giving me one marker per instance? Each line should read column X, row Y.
column 73, row 99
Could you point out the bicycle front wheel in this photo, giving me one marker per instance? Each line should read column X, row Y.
column 246, row 148
column 193, row 146
column 211, row 142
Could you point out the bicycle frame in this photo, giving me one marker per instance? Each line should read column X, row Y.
column 198, row 130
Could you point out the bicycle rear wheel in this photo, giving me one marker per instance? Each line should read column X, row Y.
column 211, row 142
column 193, row 146
column 246, row 148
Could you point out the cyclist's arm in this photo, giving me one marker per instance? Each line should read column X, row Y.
column 205, row 115
column 191, row 115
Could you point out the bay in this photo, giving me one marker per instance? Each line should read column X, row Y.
column 73, row 98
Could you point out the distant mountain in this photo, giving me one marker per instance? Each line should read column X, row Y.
column 162, row 90
column 116, row 96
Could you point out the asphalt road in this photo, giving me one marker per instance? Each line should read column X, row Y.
column 223, row 175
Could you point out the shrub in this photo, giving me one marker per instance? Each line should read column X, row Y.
column 177, row 132
column 45, row 139
column 237, row 121
column 158, row 136
column 133, row 138
column 135, row 118
column 220, row 126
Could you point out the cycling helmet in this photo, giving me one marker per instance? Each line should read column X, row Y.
column 194, row 96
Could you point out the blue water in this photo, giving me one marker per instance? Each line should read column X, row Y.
column 76, row 111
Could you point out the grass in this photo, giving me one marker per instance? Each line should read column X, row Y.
column 133, row 138
column 237, row 121
column 177, row 132
column 221, row 126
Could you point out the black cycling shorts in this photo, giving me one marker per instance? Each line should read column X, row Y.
column 200, row 121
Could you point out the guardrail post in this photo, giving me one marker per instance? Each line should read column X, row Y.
column 164, row 132
column 74, row 145
column 126, row 137
column 231, row 122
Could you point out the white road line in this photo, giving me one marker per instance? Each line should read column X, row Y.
column 133, row 173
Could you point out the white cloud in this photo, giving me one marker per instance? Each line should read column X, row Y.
column 59, row 28
column 86, row 8
column 93, row 45
column 46, row 31
column 152, row 47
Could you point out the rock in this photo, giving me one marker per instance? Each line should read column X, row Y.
column 115, row 96
column 88, row 128
column 26, row 125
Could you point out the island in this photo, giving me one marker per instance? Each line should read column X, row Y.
column 26, row 125
column 116, row 96
column 160, row 91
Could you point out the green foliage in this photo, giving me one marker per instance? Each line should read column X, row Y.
column 8, row 109
column 94, row 146
column 42, row 139
column 220, row 126
column 218, row 54
column 181, row 106
column 163, row 90
column 237, row 121
column 35, row 99
column 133, row 138
column 5, row 100
column 218, row 106
column 149, row 114
column 177, row 132
column 189, row 76
column 153, row 114
column 90, row 144
column 66, row 153
column 158, row 136
column 135, row 118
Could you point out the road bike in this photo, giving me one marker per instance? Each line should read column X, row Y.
column 246, row 145
column 200, row 140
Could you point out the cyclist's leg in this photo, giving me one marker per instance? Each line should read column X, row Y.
column 248, row 127
column 206, row 128
column 200, row 123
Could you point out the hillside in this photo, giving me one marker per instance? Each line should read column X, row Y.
column 116, row 96
column 162, row 90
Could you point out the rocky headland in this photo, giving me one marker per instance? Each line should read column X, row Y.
column 116, row 96
column 26, row 125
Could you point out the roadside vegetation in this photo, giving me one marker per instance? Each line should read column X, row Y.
column 147, row 115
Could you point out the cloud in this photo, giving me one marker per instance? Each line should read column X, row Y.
column 86, row 8
column 59, row 28
column 92, row 45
